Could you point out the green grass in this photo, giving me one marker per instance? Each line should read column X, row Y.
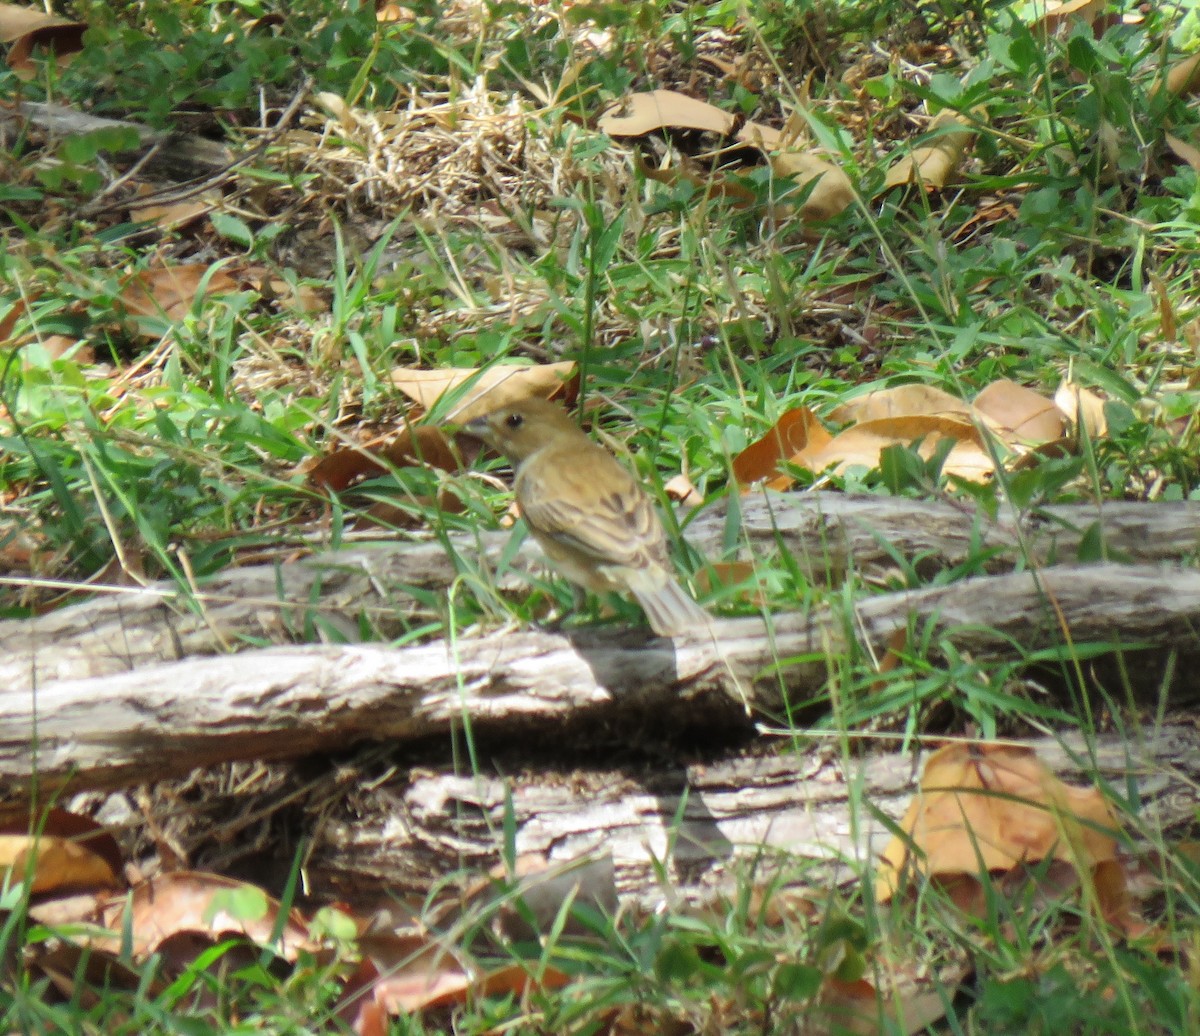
column 1065, row 248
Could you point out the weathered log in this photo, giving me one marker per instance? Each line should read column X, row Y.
column 812, row 814
column 827, row 534
column 284, row 702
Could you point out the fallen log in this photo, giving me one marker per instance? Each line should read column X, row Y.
column 278, row 703
column 383, row 585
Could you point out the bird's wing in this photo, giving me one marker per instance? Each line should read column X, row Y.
column 596, row 508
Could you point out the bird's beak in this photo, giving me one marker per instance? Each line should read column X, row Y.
column 478, row 427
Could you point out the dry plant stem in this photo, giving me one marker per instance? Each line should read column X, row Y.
column 277, row 703
column 826, row 533
column 787, row 813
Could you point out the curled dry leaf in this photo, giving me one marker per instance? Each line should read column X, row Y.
column 900, row 401
column 861, row 445
column 833, row 191
column 194, row 901
column 60, row 850
column 1083, row 408
column 1183, row 78
column 795, row 432
column 415, row 445
column 988, row 807
column 1070, row 12
column 642, row 113
column 679, row 490
column 1183, row 149
column 932, row 164
column 478, row 391
column 26, row 28
column 1020, row 415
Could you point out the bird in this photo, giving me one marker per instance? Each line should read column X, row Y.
column 593, row 520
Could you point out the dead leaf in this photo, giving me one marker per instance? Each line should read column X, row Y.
column 833, row 192
column 796, row 431
column 1182, row 149
column 60, row 850
column 1183, row 78
column 484, row 389
column 725, row 574
column 1063, row 15
column 639, row 114
column 172, row 215
column 1020, row 415
column 169, row 292
column 900, row 401
column 679, row 490
column 933, row 164
column 986, row 807
column 861, row 445
column 1083, row 408
column 416, row 445
column 26, row 28
column 195, row 901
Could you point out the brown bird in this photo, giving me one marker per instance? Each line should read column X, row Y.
column 594, row 521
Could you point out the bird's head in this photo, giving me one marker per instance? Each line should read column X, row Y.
column 520, row 429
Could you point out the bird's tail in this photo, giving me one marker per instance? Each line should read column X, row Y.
column 670, row 608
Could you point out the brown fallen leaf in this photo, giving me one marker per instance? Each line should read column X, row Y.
column 416, row 445
column 26, row 28
column 986, row 807
column 477, row 391
column 909, row 400
column 797, row 430
column 1020, row 415
column 862, row 445
column 1083, row 408
column 59, row 851
column 196, row 901
column 1064, row 15
column 642, row 113
column 833, row 192
column 1183, row 77
column 933, row 164
column 168, row 292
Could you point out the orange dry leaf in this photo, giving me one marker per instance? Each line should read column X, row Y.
column 933, row 164
column 639, row 114
column 415, row 445
column 1018, row 414
column 484, row 389
column 1182, row 149
column 1083, row 408
column 862, row 445
column 1183, row 77
column 1062, row 15
column 168, row 292
column 194, row 901
column 26, row 28
column 900, row 401
column 796, row 431
column 833, row 192
column 61, row 850
column 987, row 807
column 730, row 574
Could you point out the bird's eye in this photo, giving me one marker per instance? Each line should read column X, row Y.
column 514, row 420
